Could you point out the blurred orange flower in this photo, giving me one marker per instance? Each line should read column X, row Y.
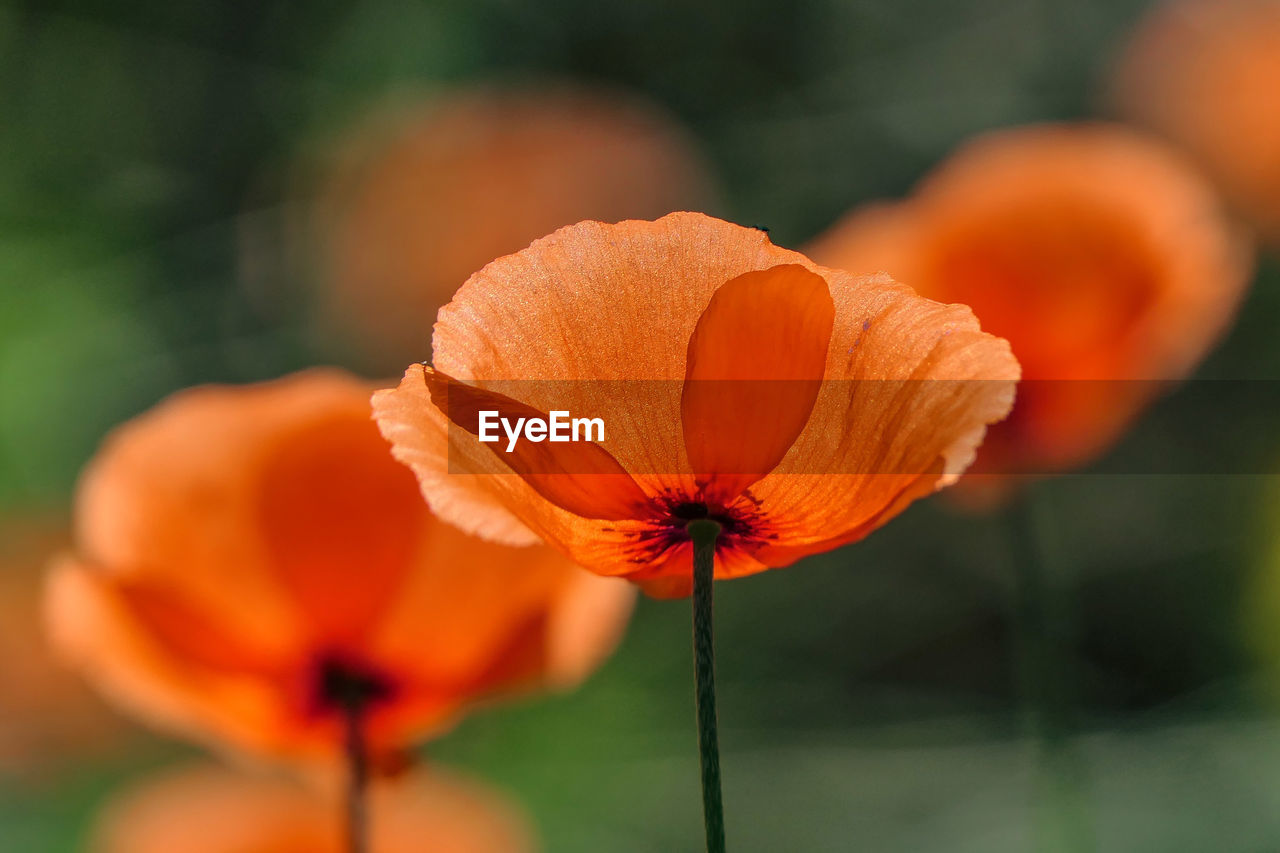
column 251, row 558
column 47, row 717
column 1096, row 252
column 209, row 810
column 1205, row 73
column 738, row 425
column 426, row 197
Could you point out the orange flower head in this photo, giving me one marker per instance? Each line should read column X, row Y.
column 799, row 406
column 429, row 196
column 211, row 810
column 1097, row 253
column 1205, row 74
column 252, row 559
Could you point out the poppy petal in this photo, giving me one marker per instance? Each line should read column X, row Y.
column 460, row 480
column 1099, row 253
column 472, row 488
column 595, row 307
column 912, row 386
column 210, row 809
column 272, row 494
column 332, row 503
column 183, row 627
column 586, row 627
column 577, row 476
column 754, row 367
column 96, row 629
column 493, row 591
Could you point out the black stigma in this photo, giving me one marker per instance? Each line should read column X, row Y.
column 341, row 685
column 687, row 511
column 690, row 511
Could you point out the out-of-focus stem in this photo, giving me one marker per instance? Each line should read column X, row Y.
column 1047, row 672
column 357, row 759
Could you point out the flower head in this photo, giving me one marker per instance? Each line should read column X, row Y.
column 252, row 559
column 422, row 200
column 1099, row 254
column 1204, row 73
column 798, row 406
column 210, row 810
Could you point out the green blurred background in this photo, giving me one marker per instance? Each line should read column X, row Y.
column 871, row 698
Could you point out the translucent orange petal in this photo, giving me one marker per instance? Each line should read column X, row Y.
column 169, row 499
column 144, row 662
column 469, row 602
column 200, row 809
column 95, row 629
column 184, row 627
column 577, row 476
column 1100, row 255
column 560, row 647
column 586, row 626
column 465, row 483
column 342, row 523
column 256, row 506
column 595, row 304
column 911, row 387
column 422, row 439
column 753, row 370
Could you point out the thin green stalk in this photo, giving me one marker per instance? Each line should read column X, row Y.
column 704, row 534
column 1048, row 678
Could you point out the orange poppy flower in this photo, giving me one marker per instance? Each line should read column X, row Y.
column 210, row 810
column 800, row 407
column 48, row 719
column 1099, row 254
column 251, row 558
column 425, row 198
column 1205, row 73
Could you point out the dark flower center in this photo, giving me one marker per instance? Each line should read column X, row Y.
column 341, row 685
column 689, row 511
column 732, row 521
column 742, row 525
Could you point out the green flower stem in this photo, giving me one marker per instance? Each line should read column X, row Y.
column 1048, row 679
column 704, row 534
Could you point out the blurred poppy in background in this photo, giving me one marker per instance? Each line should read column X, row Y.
column 48, row 719
column 1101, row 256
column 423, row 196
column 210, row 810
column 252, row 563
column 1205, row 74
column 799, row 407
